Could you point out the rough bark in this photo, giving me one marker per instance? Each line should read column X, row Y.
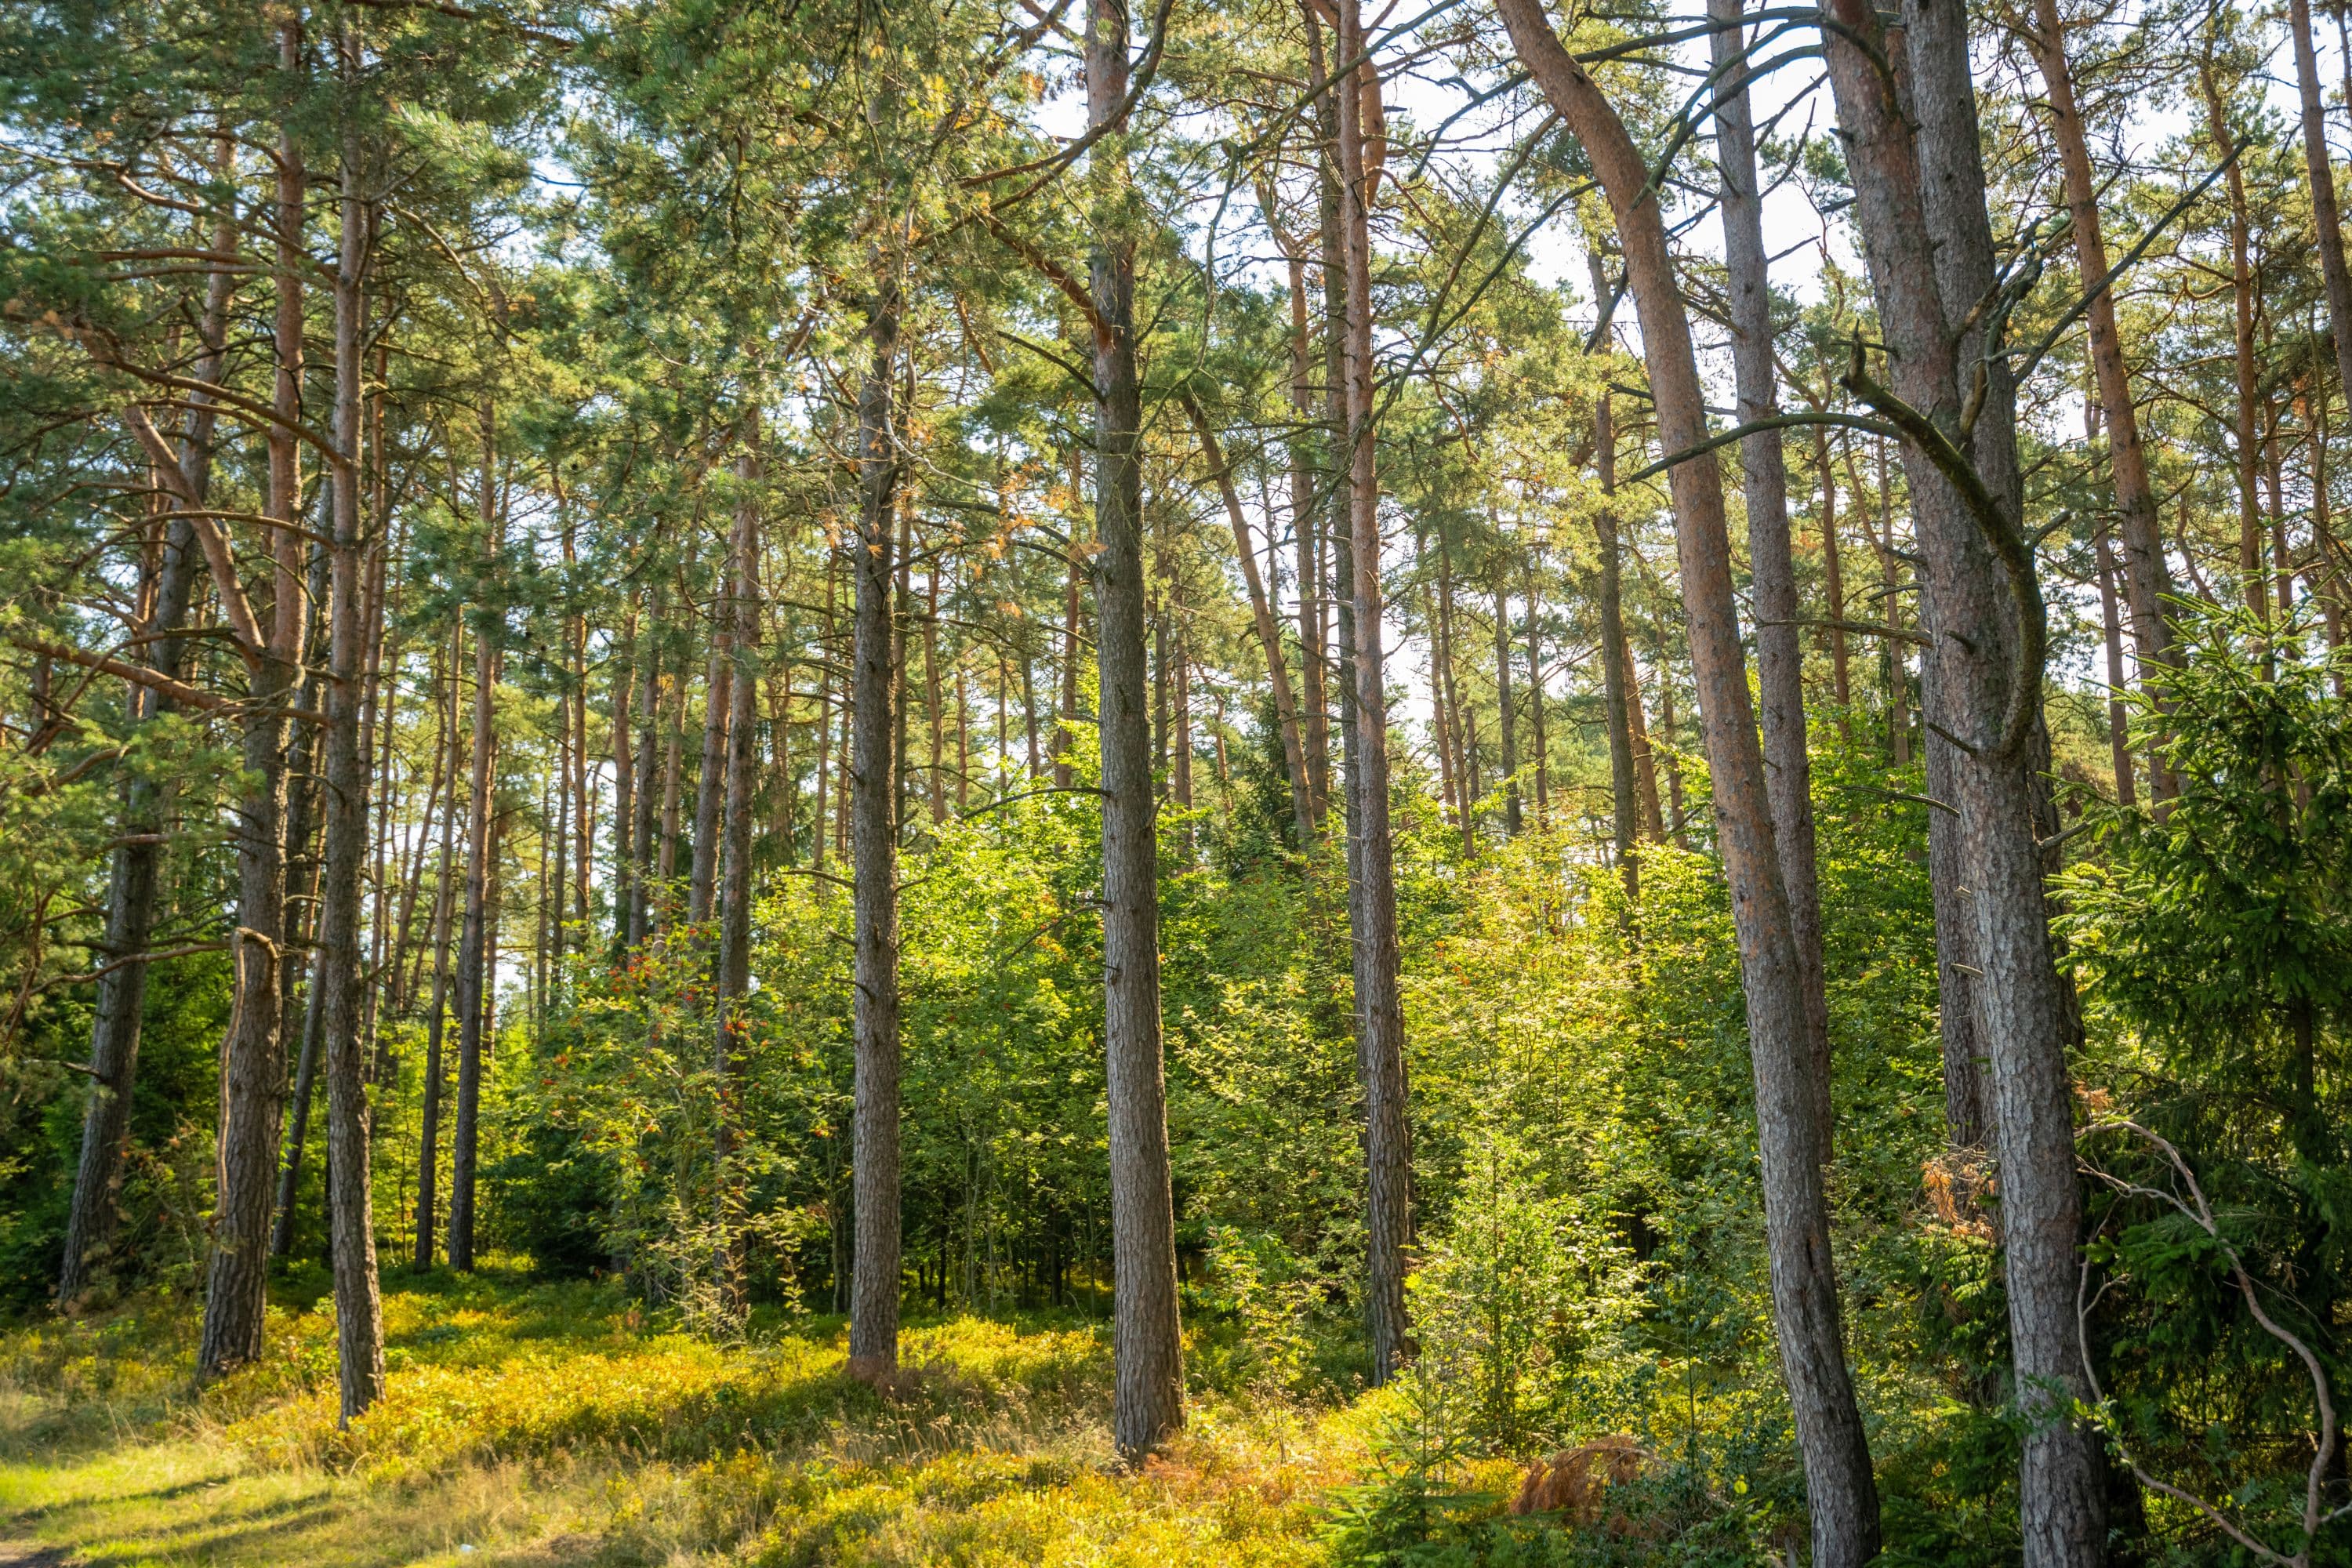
column 1624, row 807
column 1921, row 208
column 2118, row 735
column 1839, row 1486
column 1372, row 913
column 711, row 779
column 872, row 787
column 131, row 883
column 359, row 1309
column 253, row 1057
column 2327, row 219
column 1148, row 1407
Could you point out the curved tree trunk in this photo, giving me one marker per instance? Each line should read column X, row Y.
column 1840, row 1486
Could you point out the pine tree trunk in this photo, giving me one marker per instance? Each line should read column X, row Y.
column 476, row 976
column 1840, row 1486
column 872, row 784
column 710, row 778
column 131, row 883
column 1371, row 914
column 2146, row 580
column 1624, row 815
column 1148, row 1407
column 1920, row 205
column 428, row 1137
column 1505, row 717
column 1270, row 632
column 359, row 1309
column 2119, row 736
column 734, row 975
column 253, row 1059
column 1779, row 646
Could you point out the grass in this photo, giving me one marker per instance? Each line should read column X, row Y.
column 535, row 1423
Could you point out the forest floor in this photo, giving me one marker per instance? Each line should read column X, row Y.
column 537, row 1424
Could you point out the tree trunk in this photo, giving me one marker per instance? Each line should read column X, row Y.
column 475, row 976
column 1505, row 721
column 359, row 1309
column 2251, row 585
column 2145, row 577
column 2118, row 737
column 1269, row 633
column 1536, row 733
column 624, row 663
column 1833, row 576
column 1615, row 659
column 1921, row 210
column 1371, row 914
column 428, row 1137
column 2325, row 219
column 1148, row 1407
column 734, row 976
column 711, row 779
column 1839, row 1486
column 1780, row 646
column 1315, row 731
column 253, row 1059
column 872, row 785
column 146, row 810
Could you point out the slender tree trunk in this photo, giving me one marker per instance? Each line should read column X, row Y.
column 1269, row 633
column 1780, row 646
column 2327, row 221
column 2251, row 586
column 710, row 781
column 1645, row 761
column 428, row 1137
column 1506, row 719
column 476, row 973
column 934, row 710
column 1839, row 1486
column 1371, row 914
column 734, row 976
column 1536, row 733
column 872, row 784
column 1921, row 208
column 146, row 809
column 1148, row 1407
column 1833, row 576
column 2144, row 578
column 1625, row 808
column 2118, row 738
column 1315, row 736
column 624, row 665
column 359, row 1309
column 1065, row 732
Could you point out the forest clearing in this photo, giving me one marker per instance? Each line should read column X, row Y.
column 1498, row 783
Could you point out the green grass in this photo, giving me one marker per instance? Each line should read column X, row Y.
column 559, row 1423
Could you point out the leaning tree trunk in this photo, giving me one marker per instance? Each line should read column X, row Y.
column 872, row 785
column 146, row 808
column 1920, row 202
column 1372, row 913
column 359, row 1308
column 1780, row 649
column 1840, row 1486
column 1148, row 1407
column 475, row 976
